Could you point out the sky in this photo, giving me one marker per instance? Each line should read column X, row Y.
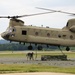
column 26, row 7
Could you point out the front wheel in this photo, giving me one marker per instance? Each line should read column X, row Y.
column 39, row 47
column 30, row 47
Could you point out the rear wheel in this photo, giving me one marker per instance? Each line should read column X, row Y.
column 67, row 48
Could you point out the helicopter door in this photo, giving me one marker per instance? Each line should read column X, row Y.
column 24, row 34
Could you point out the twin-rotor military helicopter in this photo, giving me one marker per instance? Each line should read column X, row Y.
column 19, row 32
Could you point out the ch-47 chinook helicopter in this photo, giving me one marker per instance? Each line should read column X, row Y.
column 19, row 32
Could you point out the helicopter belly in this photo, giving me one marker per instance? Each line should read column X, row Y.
column 42, row 40
column 51, row 41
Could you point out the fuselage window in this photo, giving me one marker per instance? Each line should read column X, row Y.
column 59, row 36
column 24, row 32
column 48, row 34
column 64, row 36
column 36, row 33
column 71, row 37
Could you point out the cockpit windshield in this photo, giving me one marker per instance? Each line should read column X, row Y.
column 10, row 29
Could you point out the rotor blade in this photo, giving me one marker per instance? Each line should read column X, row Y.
column 34, row 14
column 56, row 11
column 4, row 16
column 26, row 15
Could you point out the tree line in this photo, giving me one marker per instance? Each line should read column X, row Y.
column 14, row 47
column 21, row 47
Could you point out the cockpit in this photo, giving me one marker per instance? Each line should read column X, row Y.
column 9, row 32
column 11, row 29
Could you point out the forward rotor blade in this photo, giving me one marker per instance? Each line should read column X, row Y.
column 35, row 14
column 4, row 16
column 56, row 11
column 26, row 15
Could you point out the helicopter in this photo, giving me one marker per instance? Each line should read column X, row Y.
column 21, row 33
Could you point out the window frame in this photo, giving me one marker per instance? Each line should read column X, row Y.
column 24, row 32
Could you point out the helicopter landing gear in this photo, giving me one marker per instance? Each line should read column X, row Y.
column 61, row 50
column 67, row 48
column 30, row 47
column 39, row 47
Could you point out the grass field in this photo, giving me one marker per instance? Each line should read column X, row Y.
column 39, row 53
column 11, row 68
column 15, row 68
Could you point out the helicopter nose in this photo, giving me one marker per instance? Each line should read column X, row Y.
column 5, row 35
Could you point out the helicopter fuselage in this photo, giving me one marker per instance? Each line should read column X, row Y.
column 40, row 35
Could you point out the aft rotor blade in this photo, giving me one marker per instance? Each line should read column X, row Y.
column 26, row 15
column 56, row 11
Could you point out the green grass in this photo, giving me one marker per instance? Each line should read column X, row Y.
column 14, row 68
column 39, row 53
column 12, row 55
